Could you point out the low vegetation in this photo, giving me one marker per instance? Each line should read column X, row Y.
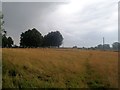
column 59, row 68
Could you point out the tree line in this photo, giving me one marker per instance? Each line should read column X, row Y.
column 30, row 38
column 115, row 47
column 33, row 39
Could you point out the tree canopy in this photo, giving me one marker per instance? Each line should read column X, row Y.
column 10, row 41
column 53, row 39
column 31, row 38
column 7, row 42
column 116, row 46
column 1, row 23
column 4, row 41
column 1, row 27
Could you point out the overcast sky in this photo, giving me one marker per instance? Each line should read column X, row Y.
column 81, row 22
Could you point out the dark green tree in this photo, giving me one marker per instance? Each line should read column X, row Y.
column 31, row 38
column 2, row 32
column 7, row 42
column 4, row 41
column 10, row 42
column 53, row 39
column 106, row 47
column 116, row 46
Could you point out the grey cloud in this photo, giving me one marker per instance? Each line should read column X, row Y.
column 85, row 28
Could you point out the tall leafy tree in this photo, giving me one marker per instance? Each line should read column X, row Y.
column 31, row 38
column 53, row 39
column 116, row 46
column 4, row 41
column 10, row 42
column 1, row 27
column 2, row 32
column 7, row 42
column 1, row 23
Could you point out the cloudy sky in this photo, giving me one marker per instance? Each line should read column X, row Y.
column 81, row 22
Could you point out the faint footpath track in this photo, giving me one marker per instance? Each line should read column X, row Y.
column 92, row 79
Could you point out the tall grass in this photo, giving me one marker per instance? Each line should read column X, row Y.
column 63, row 68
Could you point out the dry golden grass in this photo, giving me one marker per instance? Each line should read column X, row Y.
column 59, row 68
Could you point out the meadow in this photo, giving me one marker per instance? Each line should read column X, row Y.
column 59, row 68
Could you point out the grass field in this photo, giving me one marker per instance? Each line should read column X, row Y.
column 59, row 68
